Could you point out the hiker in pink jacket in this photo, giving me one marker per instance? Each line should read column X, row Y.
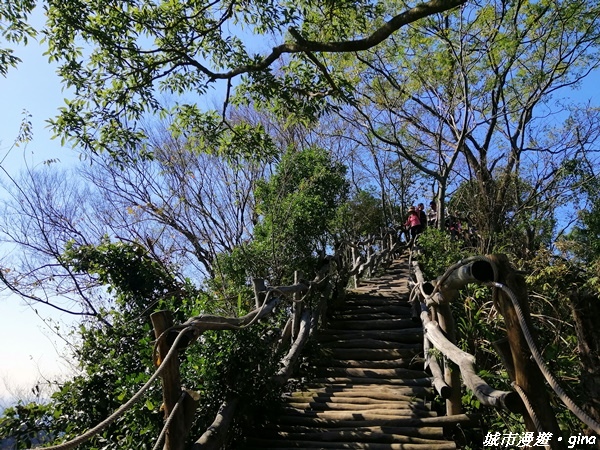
column 413, row 224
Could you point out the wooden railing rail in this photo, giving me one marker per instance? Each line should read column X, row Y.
column 439, row 334
column 518, row 351
column 373, row 252
column 310, row 301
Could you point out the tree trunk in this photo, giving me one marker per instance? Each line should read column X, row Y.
column 585, row 308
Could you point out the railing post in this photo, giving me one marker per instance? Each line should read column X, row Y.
column 259, row 291
column 440, row 311
column 354, row 259
column 171, row 384
column 451, row 372
column 431, row 361
column 527, row 374
column 297, row 308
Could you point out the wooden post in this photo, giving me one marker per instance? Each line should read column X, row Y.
column 440, row 312
column 259, row 291
column 177, row 432
column 527, row 375
column 214, row 437
column 431, row 361
column 354, row 260
column 297, row 309
column 451, row 372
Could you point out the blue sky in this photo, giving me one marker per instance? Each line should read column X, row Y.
column 33, row 87
column 32, row 349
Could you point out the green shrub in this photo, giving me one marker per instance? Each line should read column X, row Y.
column 439, row 251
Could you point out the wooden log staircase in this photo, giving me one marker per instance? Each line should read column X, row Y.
column 368, row 389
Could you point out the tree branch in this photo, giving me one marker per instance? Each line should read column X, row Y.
column 304, row 46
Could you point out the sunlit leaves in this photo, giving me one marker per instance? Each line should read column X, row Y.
column 122, row 58
column 207, row 132
column 360, row 216
column 295, row 208
column 15, row 29
column 127, row 269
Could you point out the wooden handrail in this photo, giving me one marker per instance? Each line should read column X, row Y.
column 301, row 323
column 442, row 339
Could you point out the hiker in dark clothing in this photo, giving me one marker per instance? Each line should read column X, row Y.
column 422, row 216
column 432, row 215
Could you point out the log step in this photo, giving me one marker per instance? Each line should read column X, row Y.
column 390, row 335
column 387, row 436
column 371, row 380
column 396, row 339
column 375, row 420
column 368, row 373
column 359, row 414
column 415, row 363
column 363, row 405
column 370, row 353
column 348, row 312
column 369, row 301
column 424, row 432
column 393, row 393
column 387, row 324
column 366, row 388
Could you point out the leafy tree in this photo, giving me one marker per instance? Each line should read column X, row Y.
column 14, row 29
column 583, row 241
column 128, row 270
column 296, row 207
column 23, row 426
column 115, row 252
column 361, row 216
column 440, row 252
column 482, row 106
column 115, row 358
column 526, row 227
column 140, row 51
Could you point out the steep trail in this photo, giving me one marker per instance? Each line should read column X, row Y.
column 368, row 389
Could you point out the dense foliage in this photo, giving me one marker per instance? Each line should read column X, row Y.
column 561, row 300
column 14, row 29
column 295, row 210
column 116, row 360
column 140, row 51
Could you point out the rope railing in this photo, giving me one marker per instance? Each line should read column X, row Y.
column 364, row 260
column 436, row 336
column 168, row 421
column 430, row 300
column 433, row 298
column 121, row 410
column 306, row 320
column 537, row 356
column 354, row 260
